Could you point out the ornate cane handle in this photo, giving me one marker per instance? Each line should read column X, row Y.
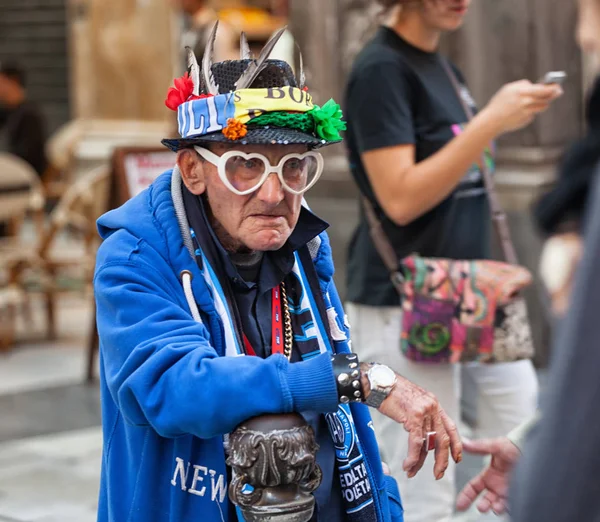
column 273, row 458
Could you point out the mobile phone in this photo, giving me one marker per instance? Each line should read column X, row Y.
column 552, row 77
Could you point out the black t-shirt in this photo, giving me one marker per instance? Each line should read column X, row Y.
column 396, row 95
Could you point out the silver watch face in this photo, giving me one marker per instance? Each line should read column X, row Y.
column 381, row 376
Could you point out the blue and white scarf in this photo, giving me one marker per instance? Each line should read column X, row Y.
column 312, row 338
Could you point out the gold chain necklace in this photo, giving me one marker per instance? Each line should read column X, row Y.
column 287, row 324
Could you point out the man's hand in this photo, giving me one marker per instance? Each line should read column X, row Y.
column 494, row 479
column 420, row 413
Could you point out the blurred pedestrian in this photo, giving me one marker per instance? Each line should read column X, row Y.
column 557, row 478
column 417, row 159
column 560, row 213
column 22, row 124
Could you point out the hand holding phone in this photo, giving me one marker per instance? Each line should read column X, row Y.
column 553, row 77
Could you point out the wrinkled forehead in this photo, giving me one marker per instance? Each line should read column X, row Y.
column 273, row 152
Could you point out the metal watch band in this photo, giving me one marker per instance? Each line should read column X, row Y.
column 375, row 398
column 346, row 369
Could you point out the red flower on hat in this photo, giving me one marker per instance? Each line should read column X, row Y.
column 182, row 92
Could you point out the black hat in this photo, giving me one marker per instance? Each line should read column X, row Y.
column 249, row 101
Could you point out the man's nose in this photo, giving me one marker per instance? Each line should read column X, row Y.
column 271, row 191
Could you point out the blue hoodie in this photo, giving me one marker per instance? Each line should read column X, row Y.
column 168, row 391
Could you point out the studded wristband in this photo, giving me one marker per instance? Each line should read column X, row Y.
column 346, row 369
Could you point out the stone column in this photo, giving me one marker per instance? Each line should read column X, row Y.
column 358, row 21
column 315, row 25
column 123, row 58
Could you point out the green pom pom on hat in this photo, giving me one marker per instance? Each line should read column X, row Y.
column 328, row 121
column 325, row 122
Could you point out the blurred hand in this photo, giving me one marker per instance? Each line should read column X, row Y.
column 516, row 104
column 386, row 469
column 420, row 412
column 494, row 479
column 560, row 257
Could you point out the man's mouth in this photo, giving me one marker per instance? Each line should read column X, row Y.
column 268, row 217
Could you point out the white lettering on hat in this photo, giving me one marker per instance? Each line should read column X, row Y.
column 213, row 116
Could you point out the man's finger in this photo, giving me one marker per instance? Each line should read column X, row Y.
column 499, row 506
column 415, row 445
column 415, row 469
column 482, row 446
column 470, row 492
column 452, row 431
column 442, row 449
column 486, row 503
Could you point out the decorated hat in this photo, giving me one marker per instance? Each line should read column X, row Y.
column 249, row 101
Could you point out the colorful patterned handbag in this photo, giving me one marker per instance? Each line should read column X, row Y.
column 450, row 308
column 457, row 310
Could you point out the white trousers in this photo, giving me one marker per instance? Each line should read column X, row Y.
column 505, row 395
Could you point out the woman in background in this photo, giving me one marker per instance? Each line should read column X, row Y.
column 415, row 156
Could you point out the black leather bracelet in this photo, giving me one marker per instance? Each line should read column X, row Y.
column 346, row 369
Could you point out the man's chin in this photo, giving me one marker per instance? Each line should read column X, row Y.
column 267, row 240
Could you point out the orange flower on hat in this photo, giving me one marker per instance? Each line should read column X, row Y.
column 235, row 129
column 182, row 92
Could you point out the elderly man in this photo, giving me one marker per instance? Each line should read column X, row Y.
column 190, row 282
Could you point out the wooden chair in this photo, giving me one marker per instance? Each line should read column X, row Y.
column 78, row 209
column 21, row 193
column 60, row 152
column 11, row 299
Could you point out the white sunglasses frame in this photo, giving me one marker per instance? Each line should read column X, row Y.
column 221, row 161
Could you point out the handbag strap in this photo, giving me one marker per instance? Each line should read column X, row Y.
column 499, row 219
column 382, row 245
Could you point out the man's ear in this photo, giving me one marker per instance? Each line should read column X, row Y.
column 192, row 171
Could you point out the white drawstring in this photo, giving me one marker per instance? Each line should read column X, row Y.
column 186, row 280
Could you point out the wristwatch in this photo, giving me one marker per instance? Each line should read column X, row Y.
column 381, row 381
